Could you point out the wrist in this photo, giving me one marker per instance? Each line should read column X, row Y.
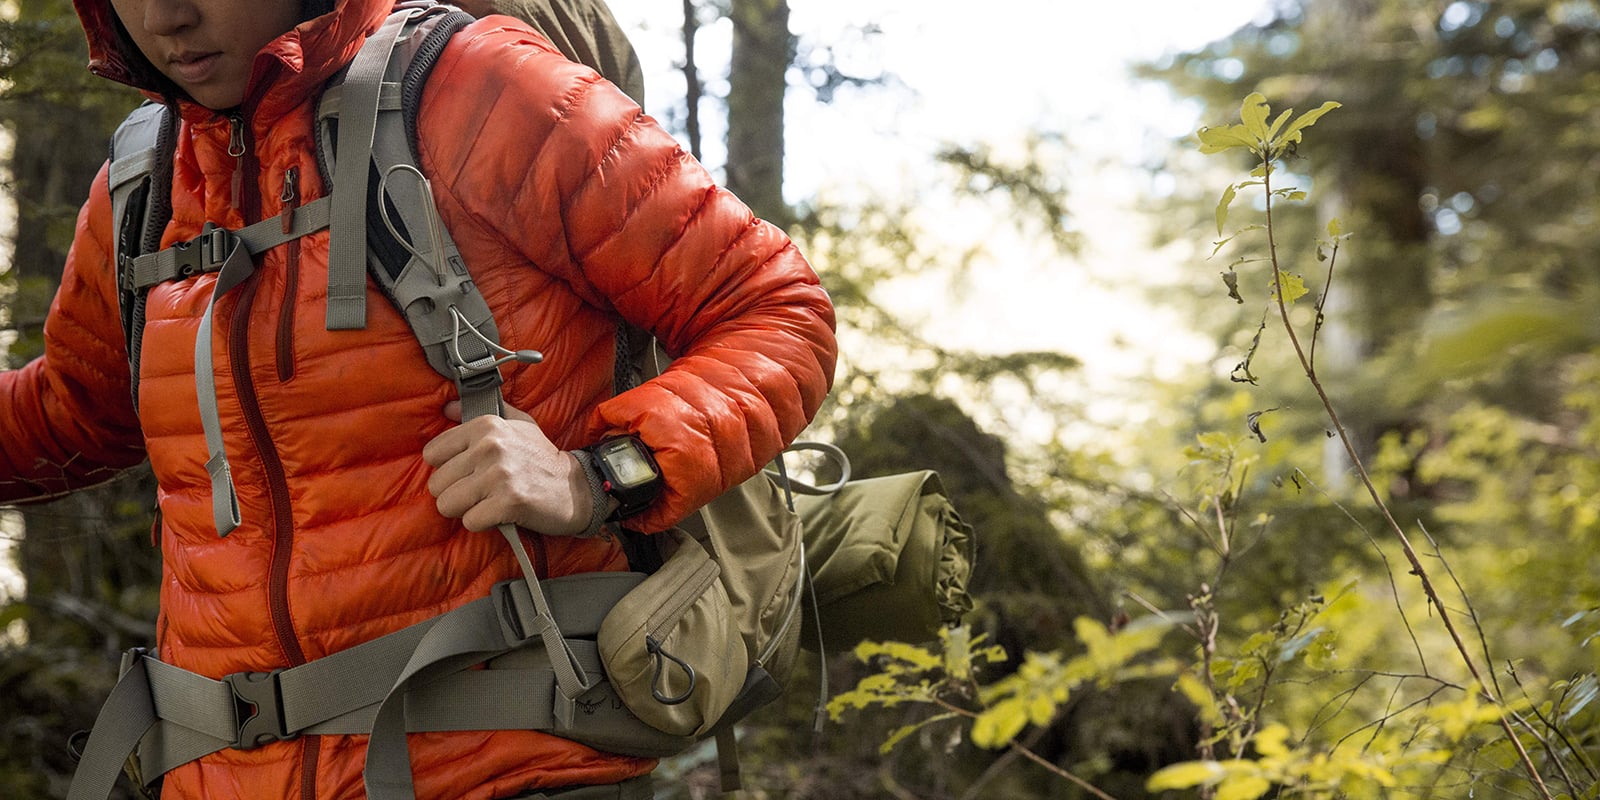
column 628, row 474
column 600, row 502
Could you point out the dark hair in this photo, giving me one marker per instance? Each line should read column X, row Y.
column 311, row 9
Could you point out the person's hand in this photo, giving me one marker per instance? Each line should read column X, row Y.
column 496, row 470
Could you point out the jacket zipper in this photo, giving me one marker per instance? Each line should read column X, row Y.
column 246, row 174
column 291, row 279
column 237, row 149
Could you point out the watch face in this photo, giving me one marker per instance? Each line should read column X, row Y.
column 627, row 465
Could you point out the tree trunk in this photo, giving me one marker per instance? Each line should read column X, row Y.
column 762, row 50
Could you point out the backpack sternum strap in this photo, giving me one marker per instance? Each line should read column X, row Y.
column 208, row 251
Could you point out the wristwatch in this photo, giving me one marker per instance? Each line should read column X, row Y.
column 628, row 473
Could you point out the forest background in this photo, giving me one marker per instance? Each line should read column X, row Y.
column 1185, row 585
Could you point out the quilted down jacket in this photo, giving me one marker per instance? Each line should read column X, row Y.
column 573, row 210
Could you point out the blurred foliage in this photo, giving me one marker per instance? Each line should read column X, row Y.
column 92, row 573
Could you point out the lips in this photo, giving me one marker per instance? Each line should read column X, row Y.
column 192, row 68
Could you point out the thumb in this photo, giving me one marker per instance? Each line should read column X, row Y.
column 452, row 410
column 515, row 414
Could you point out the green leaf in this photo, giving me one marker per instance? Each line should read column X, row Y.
column 897, row 736
column 1218, row 245
column 1243, row 787
column 1257, row 642
column 1253, row 112
column 1243, row 673
column 1292, row 286
column 1186, row 775
column 1293, row 647
column 1273, row 741
column 1000, row 724
column 1306, row 120
column 1277, row 124
column 1218, row 139
column 1222, row 206
column 1335, row 228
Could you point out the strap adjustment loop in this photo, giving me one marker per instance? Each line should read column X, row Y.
column 258, row 700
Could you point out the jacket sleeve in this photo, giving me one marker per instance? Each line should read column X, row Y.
column 66, row 418
column 639, row 228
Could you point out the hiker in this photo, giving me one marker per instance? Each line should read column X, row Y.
column 360, row 501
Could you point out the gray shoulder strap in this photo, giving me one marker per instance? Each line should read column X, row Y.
column 133, row 157
column 139, row 210
column 432, row 287
column 347, row 245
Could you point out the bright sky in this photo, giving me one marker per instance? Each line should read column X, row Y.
column 992, row 72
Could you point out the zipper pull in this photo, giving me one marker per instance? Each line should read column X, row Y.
column 236, row 149
column 236, row 134
column 290, row 197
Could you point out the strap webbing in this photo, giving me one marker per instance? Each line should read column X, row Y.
column 196, row 256
column 233, row 251
column 728, row 760
column 236, row 267
column 446, row 649
column 127, row 714
column 347, row 248
column 174, row 716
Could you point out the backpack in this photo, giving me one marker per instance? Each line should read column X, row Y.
column 645, row 663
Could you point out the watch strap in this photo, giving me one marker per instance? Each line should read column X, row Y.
column 599, row 499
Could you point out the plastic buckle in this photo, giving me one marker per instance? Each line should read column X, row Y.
column 258, row 702
column 481, row 375
column 131, row 657
column 203, row 253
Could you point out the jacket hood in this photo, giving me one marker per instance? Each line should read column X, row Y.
column 287, row 70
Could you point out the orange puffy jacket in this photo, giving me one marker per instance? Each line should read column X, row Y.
column 572, row 209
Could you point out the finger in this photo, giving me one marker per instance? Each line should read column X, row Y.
column 447, row 475
column 446, row 446
column 460, row 454
column 460, row 502
column 452, row 410
column 460, row 439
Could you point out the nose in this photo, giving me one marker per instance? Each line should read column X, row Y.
column 167, row 17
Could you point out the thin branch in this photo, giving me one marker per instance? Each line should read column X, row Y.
column 1471, row 610
column 1165, row 617
column 1388, row 570
column 1560, row 731
column 1366, row 480
column 1059, row 772
column 1322, row 302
